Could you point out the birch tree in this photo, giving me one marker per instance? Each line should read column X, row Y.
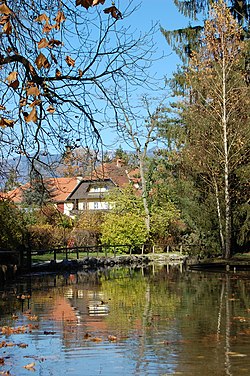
column 140, row 134
column 217, row 113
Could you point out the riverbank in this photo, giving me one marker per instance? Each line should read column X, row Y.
column 237, row 262
column 94, row 263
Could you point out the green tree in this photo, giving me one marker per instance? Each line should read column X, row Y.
column 217, row 116
column 13, row 227
column 125, row 223
column 38, row 192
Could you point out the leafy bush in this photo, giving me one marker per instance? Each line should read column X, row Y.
column 13, row 228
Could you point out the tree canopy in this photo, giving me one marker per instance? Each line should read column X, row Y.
column 61, row 65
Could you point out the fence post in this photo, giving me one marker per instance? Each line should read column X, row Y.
column 77, row 253
column 66, row 254
column 54, row 254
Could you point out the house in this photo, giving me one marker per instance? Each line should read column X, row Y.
column 72, row 195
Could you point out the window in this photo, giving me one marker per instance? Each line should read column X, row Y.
column 96, row 205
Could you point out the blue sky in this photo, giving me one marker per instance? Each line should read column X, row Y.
column 166, row 14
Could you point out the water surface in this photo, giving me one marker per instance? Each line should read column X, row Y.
column 154, row 321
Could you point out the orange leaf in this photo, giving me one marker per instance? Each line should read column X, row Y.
column 70, row 61
column 47, row 28
column 4, row 9
column 59, row 17
column 80, row 72
column 36, row 102
column 7, row 29
column 115, row 13
column 30, row 366
column 12, row 77
column 6, row 122
column 4, row 19
column 42, row 17
column 32, row 116
column 33, row 90
column 42, row 61
column 58, row 73
column 51, row 109
column 2, row 107
column 96, row 2
column 43, row 43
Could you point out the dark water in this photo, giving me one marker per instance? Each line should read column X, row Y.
column 154, row 321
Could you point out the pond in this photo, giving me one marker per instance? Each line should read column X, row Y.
column 159, row 320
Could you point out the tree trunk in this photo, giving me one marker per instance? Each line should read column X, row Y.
column 219, row 215
column 144, row 194
column 227, row 253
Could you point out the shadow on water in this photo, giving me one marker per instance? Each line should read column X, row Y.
column 158, row 320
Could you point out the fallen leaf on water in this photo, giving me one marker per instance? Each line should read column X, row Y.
column 30, row 366
column 33, row 318
column 112, row 338
column 87, row 335
column 96, row 339
column 1, row 361
column 10, row 344
column 22, row 345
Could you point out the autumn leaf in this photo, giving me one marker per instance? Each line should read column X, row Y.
column 6, row 122
column 51, row 109
column 32, row 116
column 42, row 61
column 30, row 366
column 70, row 61
column 23, row 102
column 80, row 72
column 58, row 73
column 4, row 9
column 85, row 3
column 53, row 58
column 14, row 84
column 59, row 19
column 96, row 2
column 43, row 43
column 12, row 77
column 88, row 3
column 4, row 19
column 7, row 29
column 36, row 102
column 115, row 13
column 33, row 90
column 54, row 42
column 2, row 107
column 42, row 17
column 47, row 28
column 22, row 345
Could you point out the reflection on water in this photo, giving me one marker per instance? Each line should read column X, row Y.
column 155, row 321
